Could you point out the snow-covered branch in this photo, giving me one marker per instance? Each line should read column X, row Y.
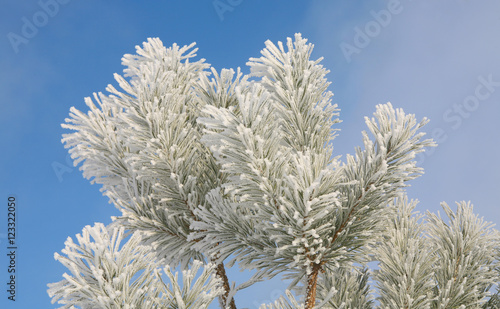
column 221, row 167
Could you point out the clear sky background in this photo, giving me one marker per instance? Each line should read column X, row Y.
column 438, row 59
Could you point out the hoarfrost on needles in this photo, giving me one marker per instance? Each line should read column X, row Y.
column 211, row 169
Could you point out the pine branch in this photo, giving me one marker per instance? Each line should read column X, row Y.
column 465, row 256
column 405, row 275
column 207, row 169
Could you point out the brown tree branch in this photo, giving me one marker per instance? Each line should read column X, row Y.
column 221, row 273
column 312, row 282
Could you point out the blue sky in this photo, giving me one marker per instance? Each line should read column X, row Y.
column 438, row 59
